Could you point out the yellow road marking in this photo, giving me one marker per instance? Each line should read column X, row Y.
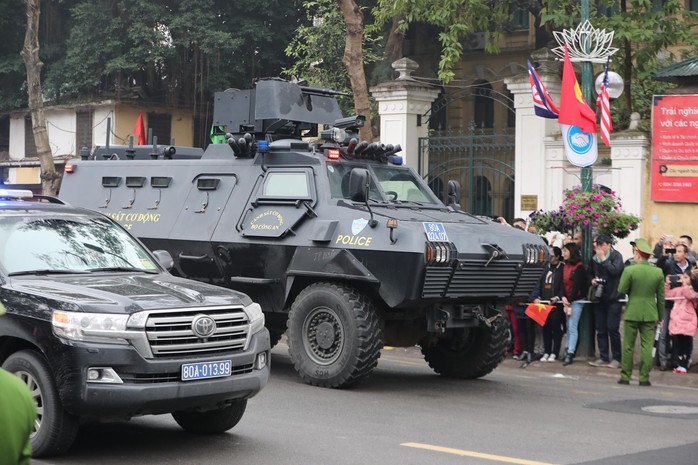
column 479, row 455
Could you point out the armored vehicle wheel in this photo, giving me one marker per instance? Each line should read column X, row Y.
column 334, row 335
column 470, row 353
column 54, row 428
column 211, row 421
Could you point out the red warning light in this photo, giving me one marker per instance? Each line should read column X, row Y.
column 333, row 154
column 69, row 168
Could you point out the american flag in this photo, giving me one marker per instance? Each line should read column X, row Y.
column 603, row 101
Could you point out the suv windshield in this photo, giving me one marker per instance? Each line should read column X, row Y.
column 67, row 243
column 397, row 184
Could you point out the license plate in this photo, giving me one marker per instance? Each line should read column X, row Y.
column 205, row 370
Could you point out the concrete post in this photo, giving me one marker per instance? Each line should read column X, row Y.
column 401, row 105
column 630, row 176
column 533, row 178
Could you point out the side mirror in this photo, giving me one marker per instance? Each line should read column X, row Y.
column 164, row 259
column 359, row 180
column 454, row 193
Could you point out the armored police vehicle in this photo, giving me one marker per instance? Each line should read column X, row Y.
column 345, row 248
column 100, row 331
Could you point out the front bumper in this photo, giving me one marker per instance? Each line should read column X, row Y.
column 152, row 386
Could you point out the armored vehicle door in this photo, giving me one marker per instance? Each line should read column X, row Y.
column 199, row 216
column 280, row 200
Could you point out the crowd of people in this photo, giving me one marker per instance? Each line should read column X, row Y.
column 654, row 293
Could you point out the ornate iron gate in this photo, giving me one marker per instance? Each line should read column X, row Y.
column 481, row 160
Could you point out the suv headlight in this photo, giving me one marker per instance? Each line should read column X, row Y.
column 255, row 316
column 91, row 327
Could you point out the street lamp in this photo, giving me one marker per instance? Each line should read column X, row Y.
column 587, row 45
column 615, row 84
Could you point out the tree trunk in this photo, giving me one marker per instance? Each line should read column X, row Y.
column 353, row 61
column 393, row 46
column 50, row 179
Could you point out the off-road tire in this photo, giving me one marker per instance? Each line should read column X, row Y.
column 55, row 429
column 211, row 421
column 473, row 356
column 334, row 335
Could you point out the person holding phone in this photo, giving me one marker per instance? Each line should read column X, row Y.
column 673, row 261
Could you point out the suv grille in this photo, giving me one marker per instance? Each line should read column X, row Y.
column 171, row 333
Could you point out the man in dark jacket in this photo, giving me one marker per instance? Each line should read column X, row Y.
column 605, row 269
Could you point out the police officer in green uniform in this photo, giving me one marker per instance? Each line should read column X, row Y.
column 644, row 285
column 17, row 414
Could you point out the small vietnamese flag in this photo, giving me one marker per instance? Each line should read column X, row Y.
column 538, row 312
column 139, row 130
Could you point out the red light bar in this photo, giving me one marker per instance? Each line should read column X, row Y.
column 333, row 154
column 69, row 168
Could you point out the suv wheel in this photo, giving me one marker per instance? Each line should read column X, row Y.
column 211, row 421
column 334, row 335
column 470, row 353
column 55, row 429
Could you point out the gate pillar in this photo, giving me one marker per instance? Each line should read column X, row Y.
column 531, row 173
column 401, row 104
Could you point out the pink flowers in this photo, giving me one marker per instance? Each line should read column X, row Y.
column 599, row 208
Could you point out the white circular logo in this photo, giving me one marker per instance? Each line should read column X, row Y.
column 203, row 326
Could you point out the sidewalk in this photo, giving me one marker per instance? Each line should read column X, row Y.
column 581, row 368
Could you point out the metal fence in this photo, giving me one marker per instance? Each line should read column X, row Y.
column 480, row 159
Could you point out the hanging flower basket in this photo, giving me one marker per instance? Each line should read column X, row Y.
column 598, row 209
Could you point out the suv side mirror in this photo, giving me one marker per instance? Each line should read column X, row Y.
column 453, row 193
column 359, row 184
column 164, row 259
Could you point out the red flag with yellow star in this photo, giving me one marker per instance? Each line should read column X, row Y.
column 538, row 312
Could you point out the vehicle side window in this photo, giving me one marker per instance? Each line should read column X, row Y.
column 402, row 185
column 338, row 175
column 282, row 184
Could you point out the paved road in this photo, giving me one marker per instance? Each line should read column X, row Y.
column 407, row 415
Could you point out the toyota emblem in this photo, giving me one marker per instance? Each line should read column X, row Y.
column 203, row 325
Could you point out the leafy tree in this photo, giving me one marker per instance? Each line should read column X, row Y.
column 50, row 179
column 12, row 71
column 636, row 27
column 457, row 19
column 318, row 48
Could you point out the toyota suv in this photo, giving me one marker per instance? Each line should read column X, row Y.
column 101, row 331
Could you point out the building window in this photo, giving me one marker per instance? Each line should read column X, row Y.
column 693, row 5
column 520, row 17
column 659, row 4
column 511, row 111
column 83, row 129
column 161, row 125
column 29, row 144
column 484, row 104
column 4, row 139
column 482, row 204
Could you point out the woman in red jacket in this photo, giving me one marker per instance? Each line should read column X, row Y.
column 575, row 286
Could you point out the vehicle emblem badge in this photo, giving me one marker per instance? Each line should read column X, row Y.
column 203, row 326
column 358, row 225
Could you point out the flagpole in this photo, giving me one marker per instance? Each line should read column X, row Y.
column 586, row 331
column 588, row 92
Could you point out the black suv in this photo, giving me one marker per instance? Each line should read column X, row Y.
column 99, row 330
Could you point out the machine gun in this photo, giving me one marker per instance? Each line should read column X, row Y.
column 274, row 109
